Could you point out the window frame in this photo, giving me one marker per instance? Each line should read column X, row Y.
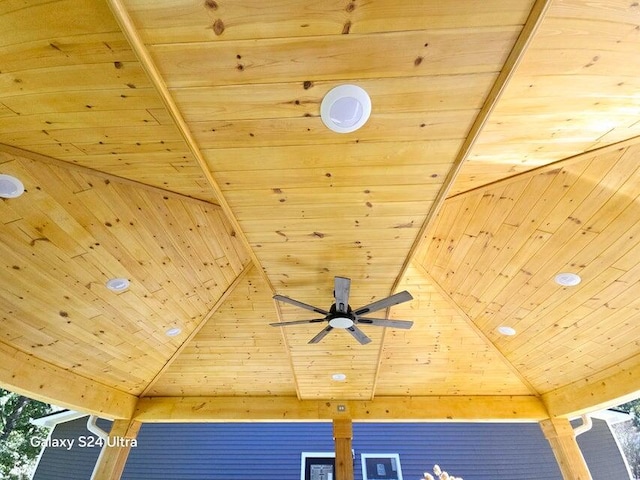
column 304, row 456
column 393, row 456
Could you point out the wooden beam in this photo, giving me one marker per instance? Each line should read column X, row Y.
column 115, row 451
column 561, row 437
column 342, row 436
column 597, row 392
column 476, row 329
column 248, row 409
column 199, row 327
column 510, row 66
column 138, row 46
column 38, row 157
column 565, row 162
column 34, row 378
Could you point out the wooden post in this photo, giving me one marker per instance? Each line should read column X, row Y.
column 115, row 451
column 560, row 434
column 342, row 435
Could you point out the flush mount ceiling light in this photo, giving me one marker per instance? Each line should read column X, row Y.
column 568, row 279
column 10, row 187
column 338, row 377
column 117, row 284
column 508, row 331
column 345, row 108
column 173, row 332
column 341, row 322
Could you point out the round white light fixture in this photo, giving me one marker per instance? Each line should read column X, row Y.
column 568, row 279
column 345, row 108
column 173, row 332
column 508, row 331
column 341, row 322
column 117, row 284
column 338, row 377
column 10, row 187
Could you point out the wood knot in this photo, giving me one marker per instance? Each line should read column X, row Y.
column 218, row 27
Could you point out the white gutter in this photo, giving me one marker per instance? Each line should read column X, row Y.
column 587, row 423
column 93, row 427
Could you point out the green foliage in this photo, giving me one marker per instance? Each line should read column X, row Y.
column 17, row 451
column 633, row 408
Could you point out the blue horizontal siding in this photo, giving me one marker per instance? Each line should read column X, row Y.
column 593, row 443
column 225, row 451
column 272, row 451
column 477, row 451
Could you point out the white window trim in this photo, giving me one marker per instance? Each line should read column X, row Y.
column 305, row 455
column 364, row 456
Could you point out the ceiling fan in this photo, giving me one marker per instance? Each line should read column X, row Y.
column 341, row 315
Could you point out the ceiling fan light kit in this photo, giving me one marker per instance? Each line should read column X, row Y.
column 340, row 315
column 345, row 108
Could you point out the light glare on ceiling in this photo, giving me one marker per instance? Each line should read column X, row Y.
column 339, row 377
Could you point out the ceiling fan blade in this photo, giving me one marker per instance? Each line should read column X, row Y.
column 384, row 303
column 282, row 298
column 383, row 322
column 323, row 333
column 358, row 335
column 297, row 322
column 341, row 288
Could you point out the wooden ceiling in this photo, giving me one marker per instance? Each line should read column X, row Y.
column 179, row 144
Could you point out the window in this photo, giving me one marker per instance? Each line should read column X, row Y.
column 381, row 466
column 317, row 466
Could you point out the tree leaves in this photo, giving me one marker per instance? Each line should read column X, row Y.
column 17, row 451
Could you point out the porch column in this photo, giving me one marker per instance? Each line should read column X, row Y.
column 342, row 435
column 561, row 437
column 115, row 451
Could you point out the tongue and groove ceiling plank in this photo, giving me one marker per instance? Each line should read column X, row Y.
column 574, row 91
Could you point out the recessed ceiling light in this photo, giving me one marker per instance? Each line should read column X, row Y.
column 10, row 187
column 508, row 331
column 117, row 284
column 173, row 332
column 339, row 377
column 345, row 108
column 568, row 279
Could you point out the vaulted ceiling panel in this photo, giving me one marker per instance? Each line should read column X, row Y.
column 443, row 354
column 235, row 353
column 501, row 269
column 74, row 230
